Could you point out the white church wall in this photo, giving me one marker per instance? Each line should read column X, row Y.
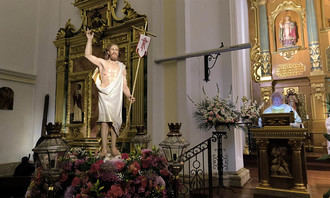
column 240, row 75
column 182, row 77
column 156, row 108
column 17, row 54
column 16, row 125
column 27, row 34
column 66, row 10
column 207, row 25
column 18, row 35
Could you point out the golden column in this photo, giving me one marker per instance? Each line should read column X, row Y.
column 297, row 172
column 263, row 162
column 318, row 96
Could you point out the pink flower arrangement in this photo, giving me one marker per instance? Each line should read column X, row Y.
column 115, row 191
column 143, row 173
column 212, row 111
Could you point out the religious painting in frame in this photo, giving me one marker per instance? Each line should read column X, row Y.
column 6, row 98
column 287, row 30
column 287, row 27
column 79, row 93
column 76, row 97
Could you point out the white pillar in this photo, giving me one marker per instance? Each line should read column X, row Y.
column 234, row 172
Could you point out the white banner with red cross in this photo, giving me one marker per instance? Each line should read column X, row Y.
column 143, row 45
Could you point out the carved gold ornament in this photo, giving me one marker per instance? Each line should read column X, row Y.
column 314, row 52
column 67, row 30
column 266, row 93
column 265, row 60
column 128, row 11
column 318, row 89
column 255, row 57
column 288, row 54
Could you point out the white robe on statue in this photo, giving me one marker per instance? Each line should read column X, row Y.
column 111, row 99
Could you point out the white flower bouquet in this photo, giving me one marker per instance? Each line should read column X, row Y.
column 213, row 111
column 250, row 111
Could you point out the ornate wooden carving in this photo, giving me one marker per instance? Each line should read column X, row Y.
column 281, row 161
column 73, row 67
column 291, row 65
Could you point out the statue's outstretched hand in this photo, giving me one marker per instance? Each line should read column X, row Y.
column 89, row 34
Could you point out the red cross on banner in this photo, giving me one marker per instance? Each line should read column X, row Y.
column 143, row 45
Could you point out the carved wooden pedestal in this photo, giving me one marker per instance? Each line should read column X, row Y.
column 281, row 162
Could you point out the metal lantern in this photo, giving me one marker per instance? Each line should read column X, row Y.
column 141, row 139
column 173, row 147
column 174, row 144
column 50, row 150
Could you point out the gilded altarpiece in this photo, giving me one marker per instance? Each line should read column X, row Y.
column 76, row 93
column 293, row 57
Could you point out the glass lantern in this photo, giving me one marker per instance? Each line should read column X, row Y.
column 174, row 147
column 50, row 150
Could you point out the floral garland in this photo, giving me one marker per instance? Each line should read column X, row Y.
column 143, row 173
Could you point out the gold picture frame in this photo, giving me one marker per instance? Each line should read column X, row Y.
column 78, row 99
column 297, row 17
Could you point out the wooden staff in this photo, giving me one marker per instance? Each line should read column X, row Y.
column 124, row 133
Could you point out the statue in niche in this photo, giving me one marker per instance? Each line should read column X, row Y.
column 6, row 98
column 279, row 165
column 288, row 32
column 291, row 99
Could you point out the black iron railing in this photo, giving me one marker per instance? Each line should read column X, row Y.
column 197, row 172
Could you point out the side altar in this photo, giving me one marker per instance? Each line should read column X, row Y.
column 281, row 158
column 290, row 54
column 76, row 94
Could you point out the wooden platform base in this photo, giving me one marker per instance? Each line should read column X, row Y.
column 261, row 192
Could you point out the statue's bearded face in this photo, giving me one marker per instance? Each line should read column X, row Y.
column 277, row 101
column 114, row 52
